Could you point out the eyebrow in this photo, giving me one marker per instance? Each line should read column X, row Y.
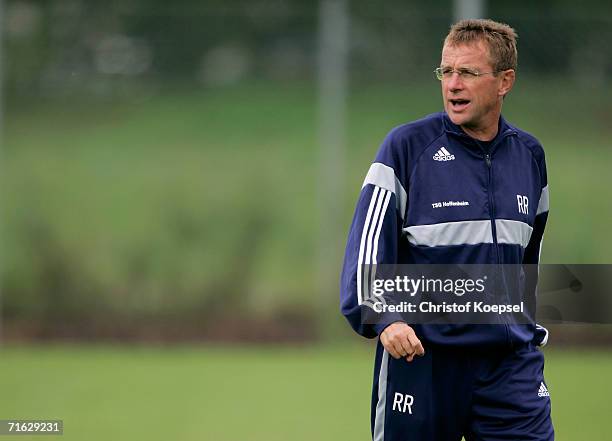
column 444, row 66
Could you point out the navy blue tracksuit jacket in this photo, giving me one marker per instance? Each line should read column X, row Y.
column 497, row 214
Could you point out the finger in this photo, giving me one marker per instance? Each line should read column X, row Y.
column 389, row 347
column 394, row 353
column 399, row 351
column 406, row 346
column 420, row 350
column 409, row 358
column 400, row 344
column 416, row 344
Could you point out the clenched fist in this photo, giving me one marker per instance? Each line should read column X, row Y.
column 400, row 340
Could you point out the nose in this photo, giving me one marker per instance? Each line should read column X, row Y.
column 454, row 83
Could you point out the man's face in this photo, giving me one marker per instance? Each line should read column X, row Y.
column 473, row 103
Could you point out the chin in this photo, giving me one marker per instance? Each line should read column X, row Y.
column 459, row 120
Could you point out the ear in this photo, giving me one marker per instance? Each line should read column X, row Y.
column 507, row 81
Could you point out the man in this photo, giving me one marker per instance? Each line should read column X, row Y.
column 482, row 382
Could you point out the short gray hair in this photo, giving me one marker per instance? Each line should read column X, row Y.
column 499, row 37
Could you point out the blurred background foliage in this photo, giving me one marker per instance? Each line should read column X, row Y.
column 159, row 159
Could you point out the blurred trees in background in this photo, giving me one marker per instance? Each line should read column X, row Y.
column 75, row 46
column 159, row 157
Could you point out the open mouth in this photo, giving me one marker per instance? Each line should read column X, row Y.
column 458, row 104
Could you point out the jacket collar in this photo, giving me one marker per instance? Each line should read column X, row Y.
column 504, row 129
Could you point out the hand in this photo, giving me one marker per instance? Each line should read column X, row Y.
column 400, row 340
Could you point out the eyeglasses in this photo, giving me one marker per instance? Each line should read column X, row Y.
column 445, row 73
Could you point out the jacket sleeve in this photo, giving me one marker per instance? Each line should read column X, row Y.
column 374, row 235
column 534, row 247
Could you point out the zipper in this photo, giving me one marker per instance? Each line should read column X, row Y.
column 490, row 195
column 490, row 191
column 488, row 157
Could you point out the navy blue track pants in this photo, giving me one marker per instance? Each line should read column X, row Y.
column 454, row 392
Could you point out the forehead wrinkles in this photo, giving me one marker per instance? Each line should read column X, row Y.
column 466, row 54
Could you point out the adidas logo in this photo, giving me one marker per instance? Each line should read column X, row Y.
column 543, row 392
column 443, row 155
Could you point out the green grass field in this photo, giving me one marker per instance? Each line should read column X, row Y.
column 245, row 393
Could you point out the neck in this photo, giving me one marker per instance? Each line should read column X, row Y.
column 489, row 125
column 488, row 128
column 485, row 134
